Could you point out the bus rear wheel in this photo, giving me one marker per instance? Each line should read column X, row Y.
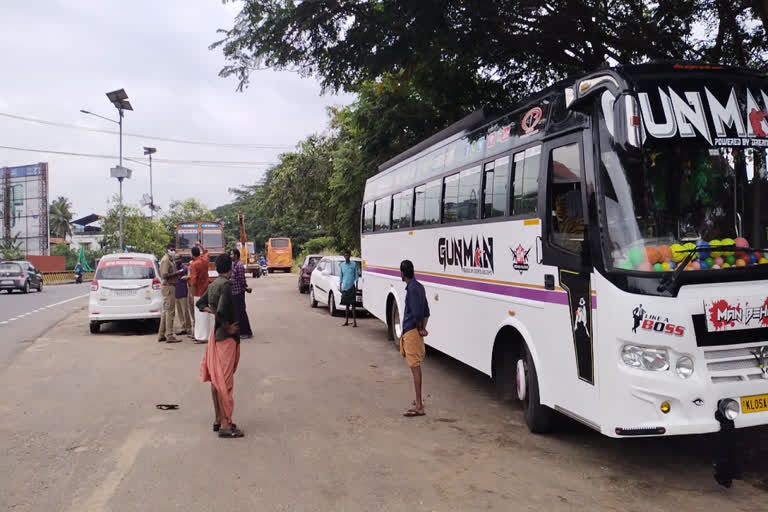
column 539, row 418
column 395, row 327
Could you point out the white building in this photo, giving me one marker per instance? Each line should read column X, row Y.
column 87, row 232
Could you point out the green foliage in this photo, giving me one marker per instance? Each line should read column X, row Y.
column 10, row 248
column 186, row 211
column 59, row 217
column 69, row 254
column 315, row 245
column 140, row 233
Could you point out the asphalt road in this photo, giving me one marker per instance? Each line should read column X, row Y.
column 24, row 317
column 321, row 406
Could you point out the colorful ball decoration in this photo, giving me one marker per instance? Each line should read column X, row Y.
column 666, row 266
column 703, row 265
column 658, row 267
column 715, row 266
column 694, row 265
column 762, row 261
column 653, row 255
column 725, row 265
column 626, row 265
column 752, row 259
column 730, row 259
column 740, row 263
column 645, row 267
column 665, row 252
column 672, row 265
column 719, row 261
column 727, row 242
column 713, row 244
column 709, row 261
column 703, row 251
column 741, row 242
column 636, row 256
column 677, row 252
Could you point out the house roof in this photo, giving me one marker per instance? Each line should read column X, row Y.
column 88, row 219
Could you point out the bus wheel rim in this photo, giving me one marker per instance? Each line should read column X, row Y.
column 521, row 380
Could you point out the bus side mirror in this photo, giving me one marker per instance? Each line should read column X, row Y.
column 628, row 132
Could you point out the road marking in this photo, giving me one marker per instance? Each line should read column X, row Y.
column 49, row 306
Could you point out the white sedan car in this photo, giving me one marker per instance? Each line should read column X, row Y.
column 324, row 284
column 125, row 287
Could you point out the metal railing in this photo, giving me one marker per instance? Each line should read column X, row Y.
column 65, row 277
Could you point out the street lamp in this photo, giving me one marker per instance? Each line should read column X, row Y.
column 119, row 99
column 150, row 152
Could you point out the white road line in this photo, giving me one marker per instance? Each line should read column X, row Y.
column 49, row 306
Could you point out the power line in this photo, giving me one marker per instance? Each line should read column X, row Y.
column 169, row 161
column 147, row 137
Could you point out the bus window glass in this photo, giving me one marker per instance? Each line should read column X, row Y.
column 526, row 184
column 451, row 198
column 279, row 243
column 419, row 205
column 495, row 191
column 187, row 240
column 213, row 239
column 368, row 217
column 406, row 208
column 396, row 205
column 382, row 214
column 432, row 209
column 469, row 193
column 567, row 215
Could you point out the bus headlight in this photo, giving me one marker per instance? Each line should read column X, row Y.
column 684, row 367
column 729, row 408
column 645, row 358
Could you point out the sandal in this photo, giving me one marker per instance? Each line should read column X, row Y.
column 167, row 407
column 217, row 426
column 231, row 433
column 410, row 413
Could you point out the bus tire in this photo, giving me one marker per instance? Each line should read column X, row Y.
column 395, row 327
column 312, row 300
column 539, row 418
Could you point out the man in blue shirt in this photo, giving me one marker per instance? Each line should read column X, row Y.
column 415, row 319
column 347, row 281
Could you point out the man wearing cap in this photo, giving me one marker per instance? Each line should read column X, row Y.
column 169, row 276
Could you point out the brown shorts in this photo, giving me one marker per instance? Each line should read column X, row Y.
column 412, row 347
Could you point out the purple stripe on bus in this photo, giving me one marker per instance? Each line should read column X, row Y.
column 551, row 297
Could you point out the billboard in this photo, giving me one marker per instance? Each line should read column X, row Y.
column 24, row 207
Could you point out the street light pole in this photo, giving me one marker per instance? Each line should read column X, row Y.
column 150, row 151
column 122, row 247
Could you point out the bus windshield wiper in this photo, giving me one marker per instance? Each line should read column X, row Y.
column 671, row 279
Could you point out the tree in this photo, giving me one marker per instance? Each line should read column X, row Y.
column 10, row 248
column 70, row 255
column 140, row 233
column 60, row 216
column 186, row 211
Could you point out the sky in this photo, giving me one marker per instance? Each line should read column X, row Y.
column 58, row 57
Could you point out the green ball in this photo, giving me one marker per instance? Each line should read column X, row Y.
column 730, row 259
column 710, row 262
column 635, row 256
column 626, row 265
column 657, row 267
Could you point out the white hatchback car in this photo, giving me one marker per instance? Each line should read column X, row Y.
column 324, row 284
column 126, row 286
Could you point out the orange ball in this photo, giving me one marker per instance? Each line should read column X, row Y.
column 665, row 252
column 741, row 263
column 653, row 254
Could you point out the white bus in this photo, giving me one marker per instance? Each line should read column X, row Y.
column 600, row 251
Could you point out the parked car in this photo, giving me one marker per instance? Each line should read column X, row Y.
column 126, row 286
column 324, row 284
column 20, row 275
column 305, row 271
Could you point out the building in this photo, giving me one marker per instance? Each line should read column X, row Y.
column 87, row 233
column 24, row 207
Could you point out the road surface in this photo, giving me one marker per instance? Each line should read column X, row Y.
column 321, row 406
column 24, row 317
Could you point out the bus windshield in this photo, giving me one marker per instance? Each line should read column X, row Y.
column 187, row 240
column 676, row 196
column 212, row 239
column 279, row 243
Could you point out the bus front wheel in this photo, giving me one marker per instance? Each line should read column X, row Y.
column 538, row 417
column 395, row 327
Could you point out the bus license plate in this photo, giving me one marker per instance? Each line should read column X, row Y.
column 754, row 403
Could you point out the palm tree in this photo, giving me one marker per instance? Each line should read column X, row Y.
column 10, row 248
column 60, row 217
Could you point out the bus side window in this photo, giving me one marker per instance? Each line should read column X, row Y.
column 382, row 214
column 469, row 193
column 451, row 198
column 368, row 217
column 397, row 202
column 495, row 187
column 526, row 181
column 419, row 205
column 432, row 208
column 567, row 213
column 402, row 208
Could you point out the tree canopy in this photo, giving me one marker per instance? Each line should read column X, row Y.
column 140, row 233
column 417, row 66
column 60, row 216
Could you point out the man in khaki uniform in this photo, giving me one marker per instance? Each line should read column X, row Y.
column 169, row 275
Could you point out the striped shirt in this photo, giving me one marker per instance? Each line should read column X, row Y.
column 238, row 278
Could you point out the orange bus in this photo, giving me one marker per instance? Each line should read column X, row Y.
column 279, row 254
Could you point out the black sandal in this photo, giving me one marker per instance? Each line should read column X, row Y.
column 231, row 433
column 217, row 426
column 167, row 407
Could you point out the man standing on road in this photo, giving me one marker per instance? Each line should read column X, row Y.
column 198, row 284
column 415, row 319
column 223, row 351
column 348, row 288
column 183, row 313
column 239, row 287
column 169, row 275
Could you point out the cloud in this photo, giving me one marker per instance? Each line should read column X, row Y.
column 62, row 56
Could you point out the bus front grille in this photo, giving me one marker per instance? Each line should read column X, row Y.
column 733, row 364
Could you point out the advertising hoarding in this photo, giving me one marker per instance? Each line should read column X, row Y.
column 24, row 207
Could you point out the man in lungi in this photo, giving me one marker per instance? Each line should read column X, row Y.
column 415, row 319
column 222, row 353
column 198, row 284
column 348, row 288
column 239, row 288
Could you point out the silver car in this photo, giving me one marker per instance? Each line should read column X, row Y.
column 20, row 275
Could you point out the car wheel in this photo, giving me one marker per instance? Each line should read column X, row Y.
column 40, row 286
column 332, row 305
column 95, row 327
column 539, row 418
column 26, row 287
column 312, row 301
column 395, row 327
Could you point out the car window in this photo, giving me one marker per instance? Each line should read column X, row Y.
column 9, row 267
column 313, row 261
column 336, row 270
column 126, row 269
